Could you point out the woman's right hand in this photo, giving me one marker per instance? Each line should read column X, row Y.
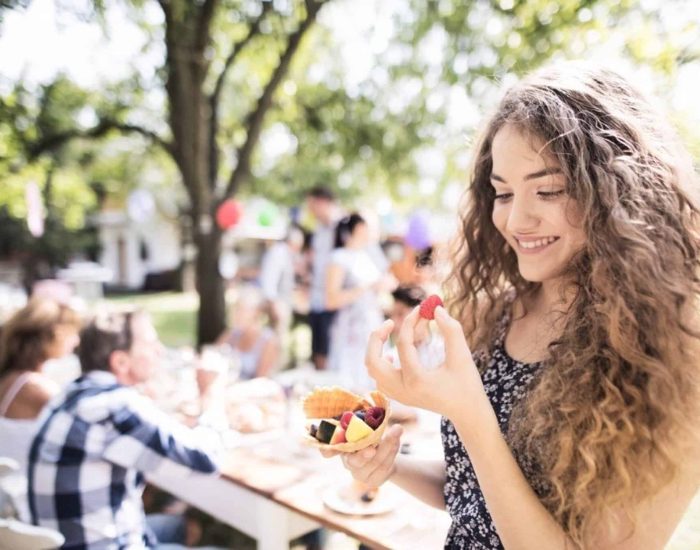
column 373, row 465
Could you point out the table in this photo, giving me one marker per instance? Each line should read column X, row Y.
column 272, row 491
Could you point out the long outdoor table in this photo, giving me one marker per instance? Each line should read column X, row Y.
column 273, row 492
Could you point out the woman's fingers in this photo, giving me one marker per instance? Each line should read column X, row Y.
column 456, row 347
column 408, row 354
column 326, row 453
column 377, row 339
column 373, row 465
column 381, row 369
column 385, row 457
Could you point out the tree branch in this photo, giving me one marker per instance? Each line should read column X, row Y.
column 255, row 118
column 204, row 22
column 215, row 96
column 54, row 141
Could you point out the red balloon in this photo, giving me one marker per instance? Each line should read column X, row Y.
column 229, row 213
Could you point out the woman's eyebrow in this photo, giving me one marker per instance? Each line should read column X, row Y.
column 540, row 173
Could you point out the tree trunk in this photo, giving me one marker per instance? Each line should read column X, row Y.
column 211, row 317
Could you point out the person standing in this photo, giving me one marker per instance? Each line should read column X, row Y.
column 322, row 204
column 277, row 282
column 353, row 283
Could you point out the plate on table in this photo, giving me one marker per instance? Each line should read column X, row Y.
column 347, row 499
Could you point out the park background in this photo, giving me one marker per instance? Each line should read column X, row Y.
column 125, row 125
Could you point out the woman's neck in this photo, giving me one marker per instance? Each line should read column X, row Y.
column 554, row 295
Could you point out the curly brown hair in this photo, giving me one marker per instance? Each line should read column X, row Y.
column 609, row 410
column 27, row 336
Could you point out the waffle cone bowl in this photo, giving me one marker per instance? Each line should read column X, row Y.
column 327, row 404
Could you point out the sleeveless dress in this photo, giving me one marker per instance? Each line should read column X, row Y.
column 506, row 382
column 354, row 322
column 249, row 358
column 16, row 436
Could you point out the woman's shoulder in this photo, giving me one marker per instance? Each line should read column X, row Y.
column 35, row 392
column 39, row 386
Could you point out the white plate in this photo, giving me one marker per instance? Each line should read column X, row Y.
column 345, row 500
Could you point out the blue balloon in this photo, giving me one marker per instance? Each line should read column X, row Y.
column 418, row 234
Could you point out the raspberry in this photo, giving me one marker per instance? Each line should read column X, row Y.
column 427, row 306
column 345, row 419
column 374, row 416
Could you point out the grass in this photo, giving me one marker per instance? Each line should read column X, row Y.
column 174, row 314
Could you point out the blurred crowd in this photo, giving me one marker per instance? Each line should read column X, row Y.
column 338, row 280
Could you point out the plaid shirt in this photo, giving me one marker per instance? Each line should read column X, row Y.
column 87, row 462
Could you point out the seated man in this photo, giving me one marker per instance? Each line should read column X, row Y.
column 99, row 437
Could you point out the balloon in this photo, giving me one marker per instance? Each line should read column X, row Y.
column 140, row 205
column 418, row 234
column 229, row 213
column 267, row 215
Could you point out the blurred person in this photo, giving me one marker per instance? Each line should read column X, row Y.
column 40, row 331
column 257, row 346
column 353, row 283
column 277, row 280
column 321, row 202
column 100, row 436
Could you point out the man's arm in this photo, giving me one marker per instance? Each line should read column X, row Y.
column 144, row 438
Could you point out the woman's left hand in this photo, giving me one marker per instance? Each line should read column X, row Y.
column 445, row 389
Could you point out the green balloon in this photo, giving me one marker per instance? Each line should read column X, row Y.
column 267, row 216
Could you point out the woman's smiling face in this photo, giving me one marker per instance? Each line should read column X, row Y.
column 532, row 210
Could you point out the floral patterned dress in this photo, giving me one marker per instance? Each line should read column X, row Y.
column 506, row 382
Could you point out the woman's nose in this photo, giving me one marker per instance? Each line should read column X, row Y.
column 522, row 216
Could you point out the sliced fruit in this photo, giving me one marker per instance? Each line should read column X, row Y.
column 345, row 419
column 325, row 431
column 357, row 430
column 338, row 436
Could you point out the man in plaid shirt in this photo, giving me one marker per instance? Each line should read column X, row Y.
column 99, row 438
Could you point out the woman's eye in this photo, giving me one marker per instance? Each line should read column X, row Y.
column 551, row 194
column 502, row 197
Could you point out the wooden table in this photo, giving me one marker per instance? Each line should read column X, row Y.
column 273, row 491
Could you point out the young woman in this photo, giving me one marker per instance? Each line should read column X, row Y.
column 570, row 409
column 353, row 282
column 256, row 343
column 42, row 330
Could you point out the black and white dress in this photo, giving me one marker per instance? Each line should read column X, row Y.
column 506, row 382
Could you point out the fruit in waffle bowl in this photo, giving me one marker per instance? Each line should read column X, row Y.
column 343, row 421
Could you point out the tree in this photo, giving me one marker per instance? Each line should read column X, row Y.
column 226, row 59
column 194, row 87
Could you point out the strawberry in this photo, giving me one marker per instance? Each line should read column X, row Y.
column 427, row 306
column 345, row 419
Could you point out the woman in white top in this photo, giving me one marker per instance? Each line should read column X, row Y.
column 353, row 283
column 42, row 330
column 256, row 344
